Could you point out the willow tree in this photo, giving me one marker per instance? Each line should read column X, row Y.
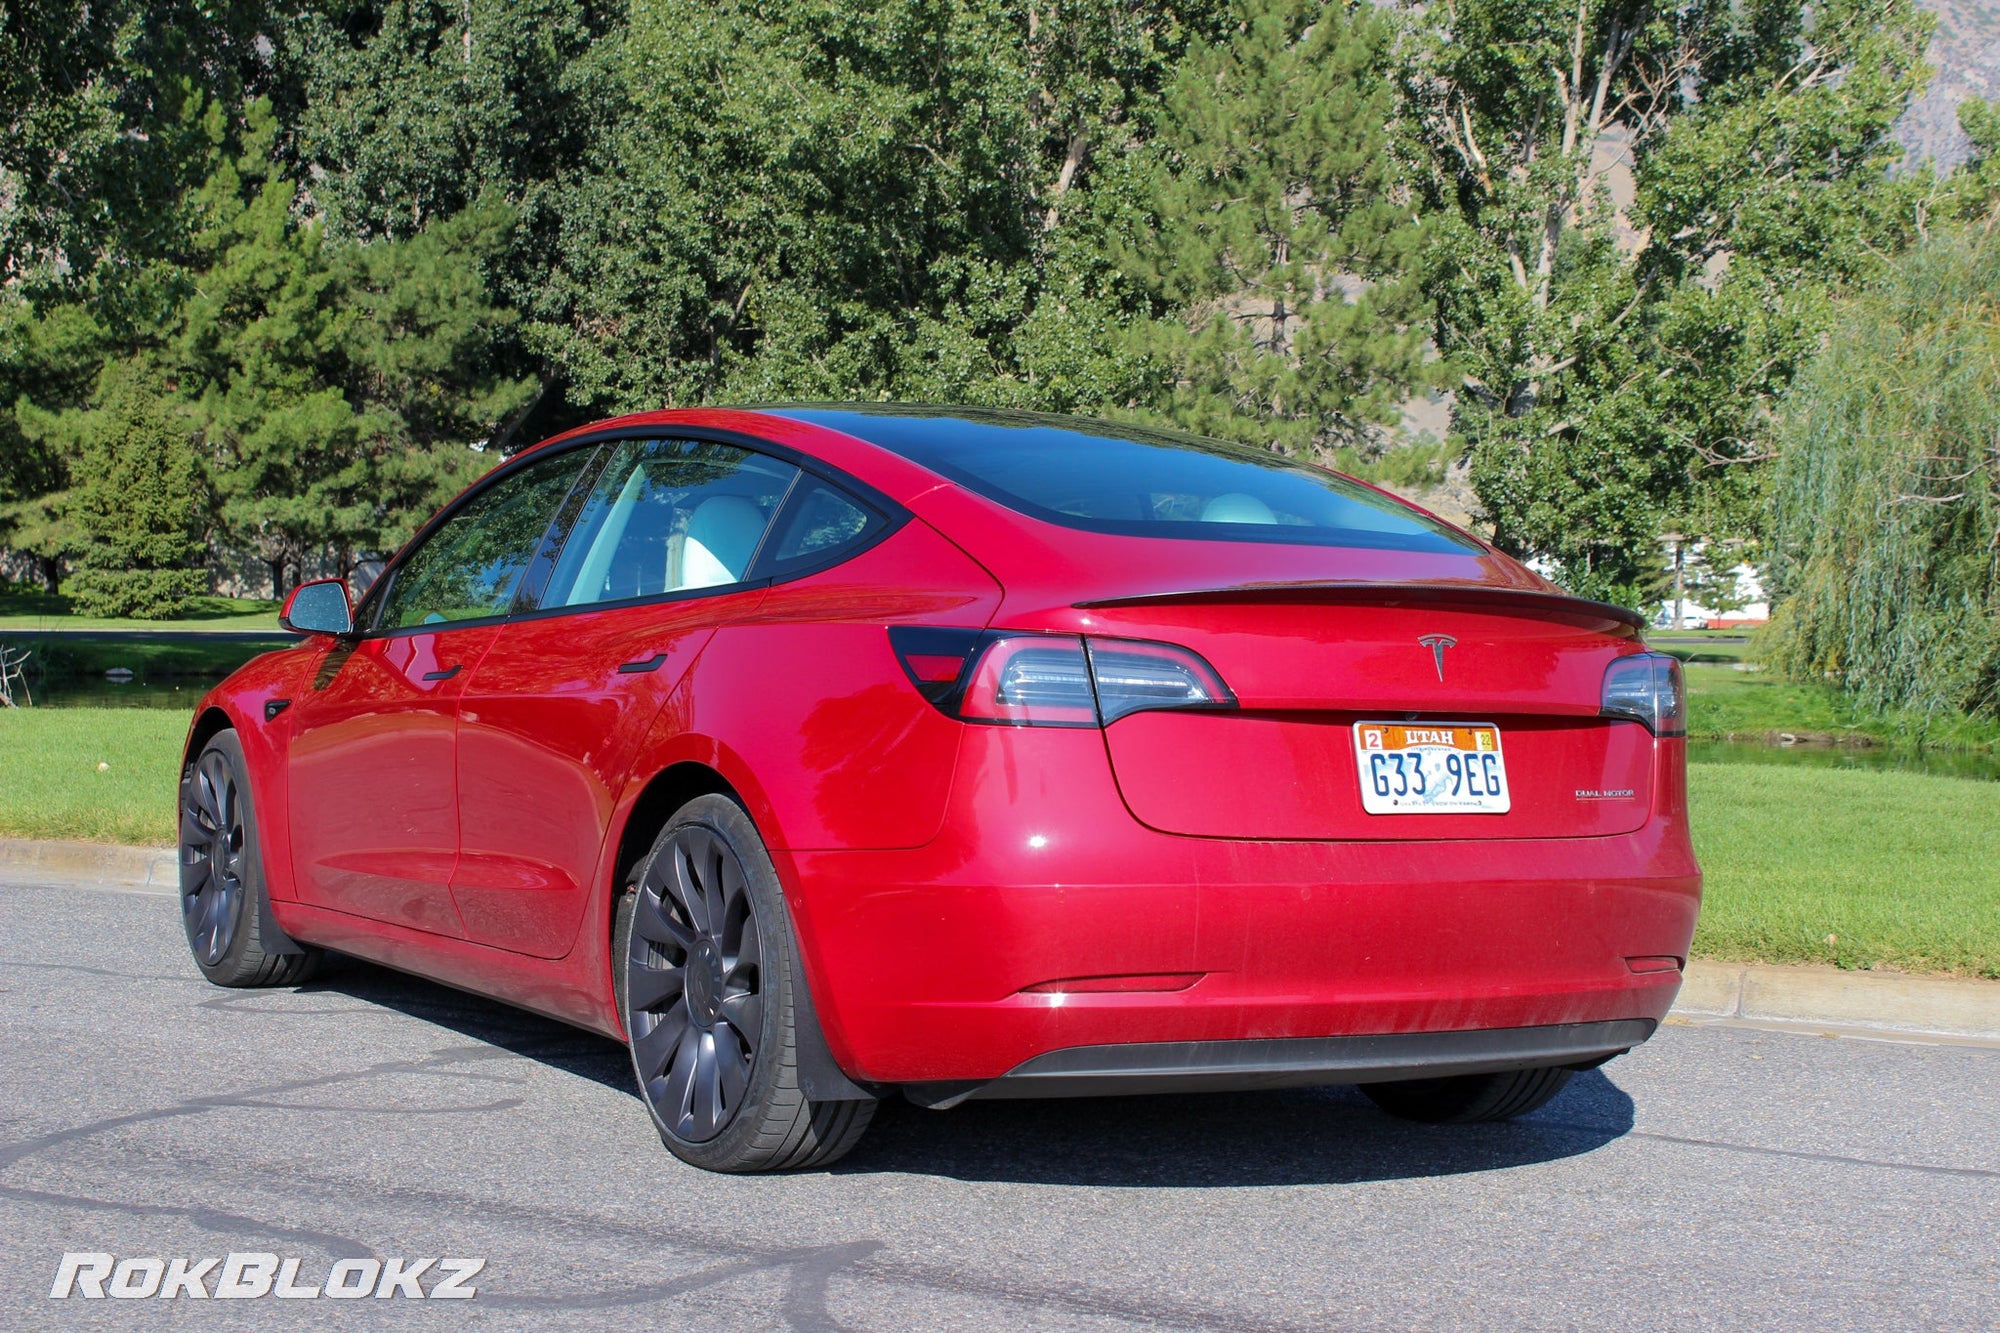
column 1884, row 520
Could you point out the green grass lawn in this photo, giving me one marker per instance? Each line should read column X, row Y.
column 1898, row 868
column 23, row 609
column 51, row 786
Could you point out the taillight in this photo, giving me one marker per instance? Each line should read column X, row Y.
column 1646, row 687
column 1052, row 680
column 1031, row 680
column 1134, row 677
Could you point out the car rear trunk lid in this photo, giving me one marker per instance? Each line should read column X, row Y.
column 1310, row 664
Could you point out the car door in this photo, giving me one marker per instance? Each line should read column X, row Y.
column 659, row 554
column 374, row 808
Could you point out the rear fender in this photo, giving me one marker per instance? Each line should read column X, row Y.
column 821, row 1051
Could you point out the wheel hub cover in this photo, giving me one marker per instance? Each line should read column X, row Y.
column 704, row 984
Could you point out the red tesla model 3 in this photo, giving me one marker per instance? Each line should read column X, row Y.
column 824, row 753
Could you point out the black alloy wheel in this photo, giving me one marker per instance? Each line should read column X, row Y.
column 695, row 984
column 707, row 980
column 230, row 931
column 213, row 846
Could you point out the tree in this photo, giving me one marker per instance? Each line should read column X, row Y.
column 1885, row 504
column 137, row 499
column 1283, row 251
column 419, row 109
column 100, row 130
column 338, row 386
column 1620, row 351
column 1972, row 193
column 52, row 352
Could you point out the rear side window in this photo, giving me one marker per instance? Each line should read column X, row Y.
column 1108, row 477
column 821, row 522
column 668, row 516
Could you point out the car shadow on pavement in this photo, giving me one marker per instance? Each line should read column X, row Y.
column 1306, row 1136
column 546, row 1040
column 1302, row 1136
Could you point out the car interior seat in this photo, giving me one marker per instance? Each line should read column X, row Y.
column 1236, row 507
column 716, row 547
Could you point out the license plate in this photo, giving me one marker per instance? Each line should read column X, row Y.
column 1435, row 768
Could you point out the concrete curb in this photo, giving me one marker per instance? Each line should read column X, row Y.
column 1741, row 992
column 1768, row 993
column 103, row 863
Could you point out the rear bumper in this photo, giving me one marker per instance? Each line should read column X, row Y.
column 1045, row 920
column 1197, row 1066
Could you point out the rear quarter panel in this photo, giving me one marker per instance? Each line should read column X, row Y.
column 803, row 702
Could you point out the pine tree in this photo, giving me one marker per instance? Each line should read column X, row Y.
column 51, row 352
column 137, row 499
column 341, row 387
column 1283, row 249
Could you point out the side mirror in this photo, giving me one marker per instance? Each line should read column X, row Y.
column 319, row 607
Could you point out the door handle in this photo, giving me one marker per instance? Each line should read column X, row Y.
column 645, row 664
column 445, row 674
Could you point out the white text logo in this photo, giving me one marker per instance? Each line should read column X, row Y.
column 247, row 1277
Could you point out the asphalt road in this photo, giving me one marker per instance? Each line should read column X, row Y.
column 1719, row 1177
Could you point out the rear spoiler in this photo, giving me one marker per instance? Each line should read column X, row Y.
column 1391, row 594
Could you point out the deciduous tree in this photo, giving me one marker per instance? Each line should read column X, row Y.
column 1620, row 355
column 1885, row 506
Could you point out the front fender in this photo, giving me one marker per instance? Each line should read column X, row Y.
column 240, row 703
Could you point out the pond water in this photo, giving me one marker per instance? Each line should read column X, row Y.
column 1931, row 763
column 128, row 671
column 101, row 693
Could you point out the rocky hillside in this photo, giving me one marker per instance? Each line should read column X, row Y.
column 1966, row 52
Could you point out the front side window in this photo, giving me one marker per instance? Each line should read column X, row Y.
column 469, row 567
column 668, row 516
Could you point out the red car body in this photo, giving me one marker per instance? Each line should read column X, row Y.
column 465, row 802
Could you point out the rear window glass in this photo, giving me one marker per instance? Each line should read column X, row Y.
column 1106, row 477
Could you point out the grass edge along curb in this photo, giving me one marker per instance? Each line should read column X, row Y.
column 1767, row 992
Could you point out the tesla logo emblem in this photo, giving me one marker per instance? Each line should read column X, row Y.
column 1437, row 643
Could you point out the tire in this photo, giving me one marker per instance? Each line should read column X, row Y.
column 224, row 909
column 706, row 971
column 1465, row 1099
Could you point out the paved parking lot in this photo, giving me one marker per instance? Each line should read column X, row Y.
column 1719, row 1177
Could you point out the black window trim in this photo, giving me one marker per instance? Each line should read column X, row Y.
column 892, row 517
